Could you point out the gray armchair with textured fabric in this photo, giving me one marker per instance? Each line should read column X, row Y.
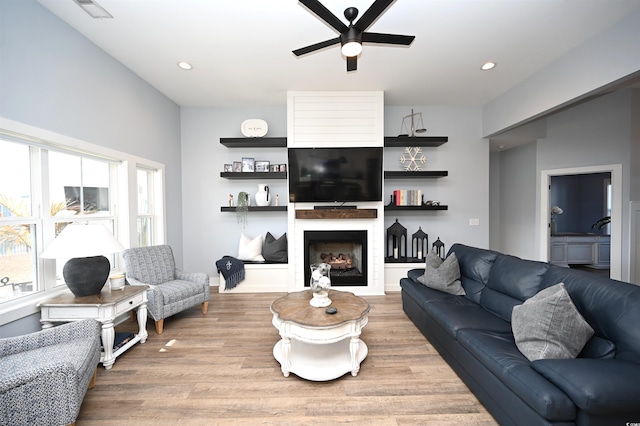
column 45, row 375
column 170, row 290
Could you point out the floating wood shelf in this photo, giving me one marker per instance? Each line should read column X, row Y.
column 403, row 141
column 254, row 142
column 429, row 174
column 337, row 214
column 257, row 209
column 253, row 175
column 414, row 208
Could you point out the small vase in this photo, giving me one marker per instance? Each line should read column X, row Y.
column 263, row 198
column 320, row 284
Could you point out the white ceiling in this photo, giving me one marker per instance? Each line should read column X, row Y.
column 241, row 49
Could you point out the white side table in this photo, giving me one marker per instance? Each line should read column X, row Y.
column 104, row 307
column 319, row 346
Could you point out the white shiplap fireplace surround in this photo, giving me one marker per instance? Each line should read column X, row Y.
column 336, row 119
column 329, row 119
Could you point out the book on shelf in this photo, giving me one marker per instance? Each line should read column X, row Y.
column 121, row 339
column 407, row 197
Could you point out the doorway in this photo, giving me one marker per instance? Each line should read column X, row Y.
column 616, row 210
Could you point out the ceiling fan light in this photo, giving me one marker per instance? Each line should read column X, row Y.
column 351, row 48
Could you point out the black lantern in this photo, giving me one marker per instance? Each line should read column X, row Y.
column 419, row 244
column 438, row 248
column 395, row 248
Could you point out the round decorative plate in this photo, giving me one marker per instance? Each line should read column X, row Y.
column 254, row 128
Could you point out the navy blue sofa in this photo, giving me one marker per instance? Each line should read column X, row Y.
column 473, row 334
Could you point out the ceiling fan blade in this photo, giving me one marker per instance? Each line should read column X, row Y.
column 352, row 63
column 323, row 13
column 387, row 38
column 372, row 14
column 316, row 46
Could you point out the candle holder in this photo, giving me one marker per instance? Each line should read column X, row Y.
column 438, row 248
column 396, row 242
column 419, row 244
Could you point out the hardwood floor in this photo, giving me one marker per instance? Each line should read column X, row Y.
column 219, row 369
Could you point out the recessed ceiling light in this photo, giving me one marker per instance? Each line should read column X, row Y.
column 488, row 66
column 185, row 65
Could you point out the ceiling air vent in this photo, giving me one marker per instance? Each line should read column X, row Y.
column 93, row 9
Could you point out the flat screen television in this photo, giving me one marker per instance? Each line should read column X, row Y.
column 335, row 174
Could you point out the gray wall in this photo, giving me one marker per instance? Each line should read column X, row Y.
column 55, row 79
column 593, row 133
column 210, row 234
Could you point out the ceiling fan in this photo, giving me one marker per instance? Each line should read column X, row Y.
column 352, row 36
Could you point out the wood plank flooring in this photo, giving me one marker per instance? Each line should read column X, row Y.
column 219, row 369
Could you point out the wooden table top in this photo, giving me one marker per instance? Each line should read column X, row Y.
column 295, row 307
column 106, row 296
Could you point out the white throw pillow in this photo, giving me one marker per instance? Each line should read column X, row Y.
column 250, row 249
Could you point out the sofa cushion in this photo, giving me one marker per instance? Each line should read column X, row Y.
column 548, row 325
column 424, row 295
column 497, row 352
column 611, row 307
column 442, row 275
column 597, row 347
column 474, row 263
column 512, row 280
column 597, row 386
column 178, row 291
column 464, row 314
column 275, row 250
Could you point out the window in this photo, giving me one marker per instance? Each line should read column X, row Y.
column 145, row 207
column 47, row 184
column 18, row 266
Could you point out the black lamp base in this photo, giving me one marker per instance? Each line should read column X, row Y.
column 85, row 276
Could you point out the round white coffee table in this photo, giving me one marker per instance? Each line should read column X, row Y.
column 316, row 345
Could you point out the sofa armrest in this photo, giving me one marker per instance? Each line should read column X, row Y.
column 597, row 386
column 50, row 336
column 197, row 277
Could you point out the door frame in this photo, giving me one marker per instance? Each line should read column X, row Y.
column 616, row 210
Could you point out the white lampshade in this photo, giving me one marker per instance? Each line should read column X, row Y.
column 79, row 240
column 352, row 48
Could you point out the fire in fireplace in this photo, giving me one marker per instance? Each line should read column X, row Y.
column 345, row 251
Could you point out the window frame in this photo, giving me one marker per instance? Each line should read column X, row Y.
column 123, row 204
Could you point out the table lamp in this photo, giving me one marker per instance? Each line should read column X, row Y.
column 85, row 245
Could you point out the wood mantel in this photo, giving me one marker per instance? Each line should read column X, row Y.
column 337, row 214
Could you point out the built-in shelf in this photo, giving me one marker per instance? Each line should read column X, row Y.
column 254, row 142
column 337, row 214
column 414, row 208
column 403, row 260
column 428, row 174
column 403, row 141
column 257, row 209
column 253, row 175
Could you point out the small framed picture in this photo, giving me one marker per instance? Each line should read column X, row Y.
column 262, row 166
column 274, row 168
column 248, row 164
column 228, row 167
column 283, row 167
column 237, row 166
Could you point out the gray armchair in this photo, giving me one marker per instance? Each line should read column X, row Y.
column 45, row 375
column 170, row 290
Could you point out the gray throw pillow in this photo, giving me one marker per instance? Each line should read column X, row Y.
column 275, row 250
column 442, row 275
column 549, row 326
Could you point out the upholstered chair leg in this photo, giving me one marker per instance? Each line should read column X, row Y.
column 159, row 326
column 205, row 307
column 92, row 382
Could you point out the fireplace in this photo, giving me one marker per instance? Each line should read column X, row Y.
column 345, row 251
